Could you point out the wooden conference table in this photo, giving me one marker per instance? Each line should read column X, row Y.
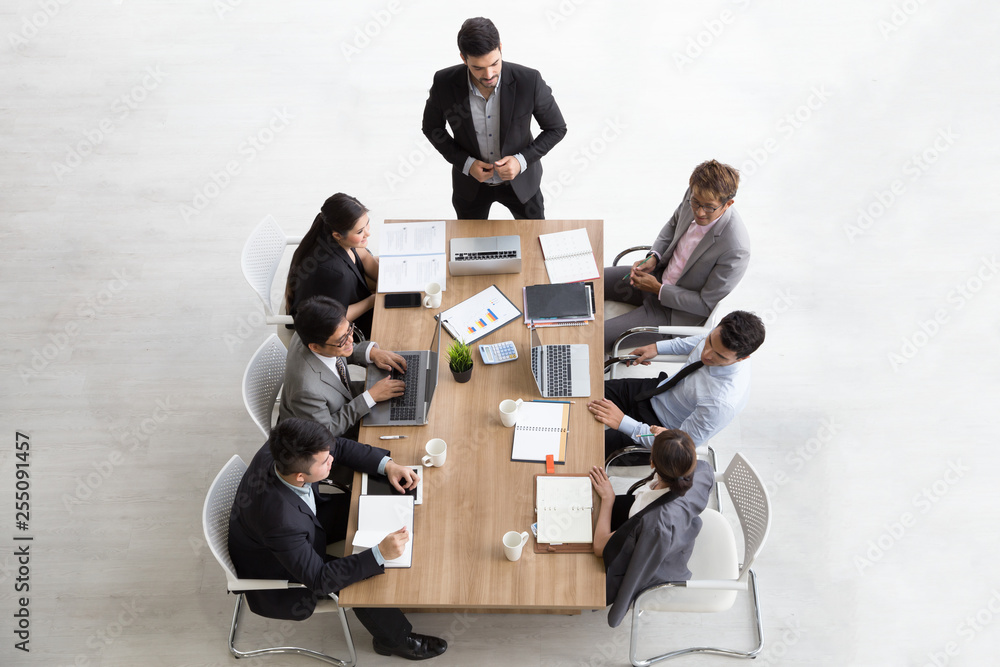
column 479, row 493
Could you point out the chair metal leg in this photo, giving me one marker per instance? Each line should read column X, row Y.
column 292, row 649
column 752, row 653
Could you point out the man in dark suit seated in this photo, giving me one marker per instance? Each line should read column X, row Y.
column 493, row 154
column 281, row 525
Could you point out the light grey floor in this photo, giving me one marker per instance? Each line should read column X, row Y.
column 142, row 142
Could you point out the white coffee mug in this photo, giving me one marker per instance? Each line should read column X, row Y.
column 437, row 452
column 513, row 542
column 433, row 296
column 508, row 411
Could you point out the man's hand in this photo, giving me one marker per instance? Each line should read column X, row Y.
column 391, row 546
column 606, row 412
column 599, row 479
column 508, row 167
column 402, row 478
column 656, row 430
column 644, row 265
column 645, row 353
column 481, row 170
column 645, row 281
column 387, row 360
column 385, row 389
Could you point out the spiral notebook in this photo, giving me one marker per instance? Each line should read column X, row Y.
column 565, row 506
column 542, row 428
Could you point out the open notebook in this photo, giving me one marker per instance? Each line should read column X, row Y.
column 380, row 515
column 564, row 504
column 542, row 429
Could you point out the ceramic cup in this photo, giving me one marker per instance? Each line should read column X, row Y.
column 432, row 296
column 437, row 452
column 508, row 411
column 513, row 543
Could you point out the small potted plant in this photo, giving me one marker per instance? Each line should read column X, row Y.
column 460, row 360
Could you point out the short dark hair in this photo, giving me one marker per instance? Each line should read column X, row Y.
column 741, row 332
column 317, row 318
column 720, row 180
column 294, row 442
column 673, row 456
column 477, row 37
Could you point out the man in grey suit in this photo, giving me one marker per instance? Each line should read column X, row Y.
column 317, row 385
column 698, row 258
column 493, row 154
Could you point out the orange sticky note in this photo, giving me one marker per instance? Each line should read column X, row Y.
column 550, row 464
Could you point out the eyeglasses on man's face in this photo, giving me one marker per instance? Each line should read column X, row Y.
column 698, row 206
column 342, row 341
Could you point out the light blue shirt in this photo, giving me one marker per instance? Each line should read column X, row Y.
column 305, row 492
column 486, row 120
column 703, row 403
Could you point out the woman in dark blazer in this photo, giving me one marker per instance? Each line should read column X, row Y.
column 333, row 260
column 646, row 536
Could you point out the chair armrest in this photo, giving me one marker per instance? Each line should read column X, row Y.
column 627, row 251
column 278, row 319
column 631, row 449
column 241, row 585
column 293, row 240
column 702, row 584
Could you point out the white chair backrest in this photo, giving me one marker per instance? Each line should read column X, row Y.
column 262, row 380
column 218, row 507
column 753, row 507
column 261, row 257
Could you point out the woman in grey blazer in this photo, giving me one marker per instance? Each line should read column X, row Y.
column 646, row 537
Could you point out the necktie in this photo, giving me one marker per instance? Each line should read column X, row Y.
column 346, row 379
column 671, row 383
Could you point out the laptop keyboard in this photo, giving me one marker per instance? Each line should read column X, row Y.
column 496, row 254
column 558, row 376
column 403, row 408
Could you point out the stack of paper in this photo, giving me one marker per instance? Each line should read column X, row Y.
column 563, row 304
column 412, row 254
column 380, row 515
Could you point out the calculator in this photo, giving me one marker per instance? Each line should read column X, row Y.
column 498, row 353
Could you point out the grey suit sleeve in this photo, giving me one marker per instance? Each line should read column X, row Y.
column 336, row 420
column 726, row 274
column 666, row 235
column 550, row 121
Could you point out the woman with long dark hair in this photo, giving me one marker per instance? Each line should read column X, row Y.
column 647, row 535
column 333, row 260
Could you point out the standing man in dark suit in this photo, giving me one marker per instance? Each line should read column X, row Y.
column 281, row 525
column 493, row 154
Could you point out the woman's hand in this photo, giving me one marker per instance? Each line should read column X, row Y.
column 602, row 484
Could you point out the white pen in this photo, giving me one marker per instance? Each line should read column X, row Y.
column 391, row 437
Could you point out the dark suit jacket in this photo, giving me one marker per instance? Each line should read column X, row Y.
column 337, row 277
column 653, row 547
column 274, row 535
column 523, row 94
column 713, row 270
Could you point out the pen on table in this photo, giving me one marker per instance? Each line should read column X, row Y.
column 391, row 437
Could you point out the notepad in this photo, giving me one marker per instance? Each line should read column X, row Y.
column 569, row 257
column 564, row 504
column 379, row 485
column 542, row 429
column 380, row 515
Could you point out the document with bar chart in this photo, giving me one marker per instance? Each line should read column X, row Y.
column 479, row 315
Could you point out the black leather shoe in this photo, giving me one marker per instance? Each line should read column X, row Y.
column 414, row 647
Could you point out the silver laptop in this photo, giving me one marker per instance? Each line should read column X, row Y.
column 560, row 370
column 421, row 379
column 485, row 255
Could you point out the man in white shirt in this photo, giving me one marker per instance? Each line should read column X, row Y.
column 701, row 398
column 317, row 385
column 698, row 258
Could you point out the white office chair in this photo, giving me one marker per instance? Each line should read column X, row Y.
column 215, row 521
column 717, row 574
column 262, row 380
column 261, row 256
